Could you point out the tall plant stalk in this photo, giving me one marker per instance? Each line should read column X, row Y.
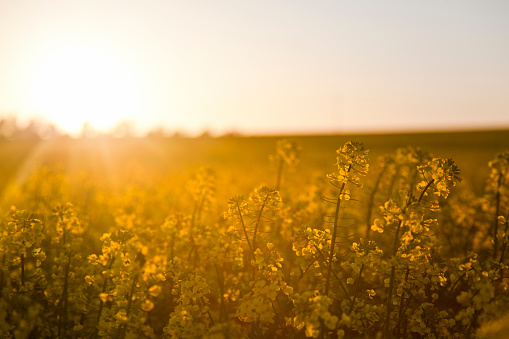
column 334, row 236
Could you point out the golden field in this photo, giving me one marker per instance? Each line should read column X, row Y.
column 395, row 235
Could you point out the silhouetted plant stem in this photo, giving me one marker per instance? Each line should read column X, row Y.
column 497, row 213
column 352, row 304
column 2, row 275
column 391, row 282
column 220, row 282
column 504, row 246
column 258, row 222
column 22, row 269
column 424, row 190
column 208, row 312
column 335, row 275
column 401, row 307
column 245, row 230
column 62, row 319
column 371, row 201
column 333, row 239
column 456, row 283
column 101, row 303
column 122, row 328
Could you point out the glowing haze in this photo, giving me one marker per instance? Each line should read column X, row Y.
column 257, row 66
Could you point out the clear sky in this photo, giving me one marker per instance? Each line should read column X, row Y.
column 257, row 66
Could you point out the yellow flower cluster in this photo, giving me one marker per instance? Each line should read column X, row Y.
column 311, row 310
column 352, row 162
column 309, row 243
column 257, row 305
column 287, row 155
column 288, row 150
column 191, row 318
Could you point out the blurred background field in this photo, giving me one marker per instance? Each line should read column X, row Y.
column 240, row 163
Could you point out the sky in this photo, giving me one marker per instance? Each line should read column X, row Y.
column 257, row 67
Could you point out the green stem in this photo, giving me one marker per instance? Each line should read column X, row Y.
column 371, row 202
column 2, row 275
column 131, row 293
column 335, row 276
column 425, row 189
column 497, row 212
column 208, row 312
column 258, row 221
column 62, row 319
column 389, row 303
column 23, row 269
column 456, row 283
column 504, row 246
column 355, row 290
column 334, row 235
column 401, row 306
column 245, row 230
column 220, row 281
column 101, row 303
column 123, row 327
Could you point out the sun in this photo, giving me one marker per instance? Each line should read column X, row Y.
column 77, row 84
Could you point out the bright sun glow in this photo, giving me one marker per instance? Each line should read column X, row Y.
column 78, row 84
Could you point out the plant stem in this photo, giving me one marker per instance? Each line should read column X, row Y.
column 122, row 328
column 220, row 281
column 456, row 283
column 425, row 189
column 335, row 276
column 23, row 269
column 131, row 293
column 62, row 319
column 208, row 311
column 504, row 246
column 333, row 240
column 401, row 306
column 371, row 202
column 101, row 303
column 355, row 290
column 2, row 275
column 245, row 230
column 258, row 222
column 497, row 212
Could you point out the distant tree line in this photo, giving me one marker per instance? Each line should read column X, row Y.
column 12, row 129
